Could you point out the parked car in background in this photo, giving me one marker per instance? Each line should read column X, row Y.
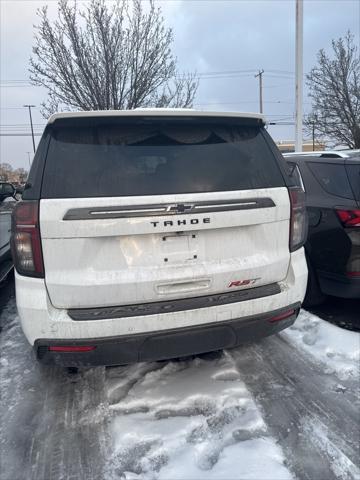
column 326, row 154
column 332, row 187
column 183, row 236
column 7, row 203
column 19, row 188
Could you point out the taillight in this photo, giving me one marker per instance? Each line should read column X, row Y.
column 349, row 218
column 25, row 239
column 298, row 218
column 72, row 348
column 282, row 316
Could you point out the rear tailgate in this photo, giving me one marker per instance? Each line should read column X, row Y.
column 173, row 214
column 115, row 261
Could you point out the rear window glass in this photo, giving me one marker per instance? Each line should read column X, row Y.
column 333, row 178
column 117, row 159
column 330, row 155
column 354, row 177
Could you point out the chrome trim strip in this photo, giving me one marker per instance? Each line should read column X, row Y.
column 119, row 211
column 155, row 308
column 130, row 211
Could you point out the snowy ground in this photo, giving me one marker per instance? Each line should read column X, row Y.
column 337, row 349
column 286, row 407
column 190, row 419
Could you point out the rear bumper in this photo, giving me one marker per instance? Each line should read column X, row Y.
column 166, row 344
column 339, row 285
column 42, row 322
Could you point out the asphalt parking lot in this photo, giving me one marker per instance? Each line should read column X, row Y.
column 207, row 416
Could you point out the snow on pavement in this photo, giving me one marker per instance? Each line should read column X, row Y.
column 50, row 425
column 341, row 464
column 180, row 439
column 336, row 348
column 190, row 419
column 187, row 419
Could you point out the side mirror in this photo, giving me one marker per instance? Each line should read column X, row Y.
column 6, row 190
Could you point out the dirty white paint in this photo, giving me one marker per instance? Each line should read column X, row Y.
column 119, row 261
column 40, row 319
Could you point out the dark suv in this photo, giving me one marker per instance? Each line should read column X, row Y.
column 7, row 203
column 332, row 187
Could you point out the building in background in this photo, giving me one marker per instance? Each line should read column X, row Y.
column 288, row 146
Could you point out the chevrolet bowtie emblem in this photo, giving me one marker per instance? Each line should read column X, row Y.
column 180, row 208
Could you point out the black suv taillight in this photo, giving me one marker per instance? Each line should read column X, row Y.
column 349, row 218
column 25, row 239
column 298, row 218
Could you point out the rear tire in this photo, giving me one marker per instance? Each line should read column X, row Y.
column 72, row 370
column 314, row 295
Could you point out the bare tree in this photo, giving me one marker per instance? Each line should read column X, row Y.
column 5, row 172
column 335, row 91
column 311, row 122
column 108, row 57
column 21, row 174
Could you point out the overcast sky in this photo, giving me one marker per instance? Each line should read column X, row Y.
column 210, row 36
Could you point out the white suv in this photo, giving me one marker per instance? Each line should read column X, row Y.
column 151, row 234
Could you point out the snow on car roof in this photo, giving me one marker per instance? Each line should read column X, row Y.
column 155, row 112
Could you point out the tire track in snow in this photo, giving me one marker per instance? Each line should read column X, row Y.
column 72, row 441
column 191, row 418
column 121, row 380
column 293, row 392
column 54, row 426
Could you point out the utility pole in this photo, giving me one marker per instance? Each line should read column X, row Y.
column 313, row 135
column 29, row 159
column 299, row 76
column 313, row 119
column 260, row 74
column 31, row 124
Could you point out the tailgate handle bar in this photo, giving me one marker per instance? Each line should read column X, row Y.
column 154, row 210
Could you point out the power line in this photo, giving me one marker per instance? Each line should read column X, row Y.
column 21, row 125
column 199, row 74
column 36, row 134
column 278, row 85
column 281, row 71
column 19, row 85
column 279, row 102
column 221, row 72
column 11, row 108
column 216, row 72
column 202, row 75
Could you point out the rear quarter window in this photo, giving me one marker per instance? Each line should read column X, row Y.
column 116, row 159
column 32, row 188
column 332, row 178
column 353, row 172
column 294, row 173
